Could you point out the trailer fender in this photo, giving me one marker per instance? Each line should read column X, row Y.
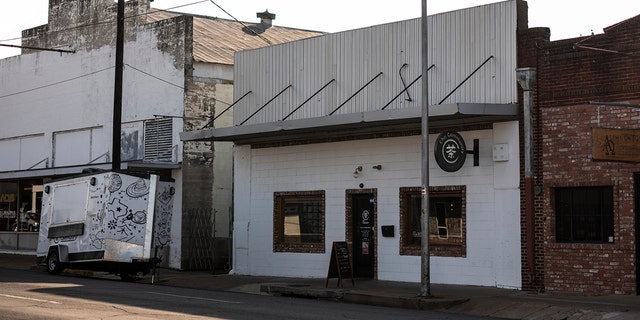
column 56, row 257
column 63, row 252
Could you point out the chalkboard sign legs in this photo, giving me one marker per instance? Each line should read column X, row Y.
column 340, row 264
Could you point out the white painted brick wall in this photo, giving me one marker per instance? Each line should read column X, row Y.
column 493, row 205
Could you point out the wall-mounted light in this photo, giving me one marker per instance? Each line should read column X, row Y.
column 356, row 172
column 377, row 167
column 537, row 190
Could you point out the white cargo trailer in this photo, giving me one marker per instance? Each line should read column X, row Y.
column 111, row 221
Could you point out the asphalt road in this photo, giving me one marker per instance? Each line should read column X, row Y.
column 31, row 294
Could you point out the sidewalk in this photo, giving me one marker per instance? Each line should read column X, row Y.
column 469, row 300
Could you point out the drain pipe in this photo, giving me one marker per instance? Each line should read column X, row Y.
column 526, row 79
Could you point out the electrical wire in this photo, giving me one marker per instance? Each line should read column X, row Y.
column 128, row 65
column 243, row 25
column 173, row 84
column 112, row 21
column 101, row 70
column 55, row 83
column 147, row 13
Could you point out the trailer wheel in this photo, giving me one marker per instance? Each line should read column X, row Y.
column 53, row 262
column 130, row 277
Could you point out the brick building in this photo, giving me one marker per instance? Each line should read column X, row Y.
column 586, row 155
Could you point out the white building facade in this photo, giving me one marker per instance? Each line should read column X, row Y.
column 58, row 107
column 58, row 112
column 327, row 148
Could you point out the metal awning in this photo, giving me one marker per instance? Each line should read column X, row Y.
column 371, row 122
column 72, row 170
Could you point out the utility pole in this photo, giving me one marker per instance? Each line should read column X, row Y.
column 425, row 288
column 117, row 92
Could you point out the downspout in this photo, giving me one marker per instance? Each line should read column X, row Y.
column 526, row 79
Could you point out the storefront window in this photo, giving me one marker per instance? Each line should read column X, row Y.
column 298, row 221
column 8, row 205
column 584, row 214
column 447, row 211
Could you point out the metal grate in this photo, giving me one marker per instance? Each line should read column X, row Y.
column 158, row 140
column 201, row 223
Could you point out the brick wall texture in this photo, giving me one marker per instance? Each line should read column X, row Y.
column 572, row 76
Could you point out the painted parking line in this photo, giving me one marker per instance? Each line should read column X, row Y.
column 27, row 298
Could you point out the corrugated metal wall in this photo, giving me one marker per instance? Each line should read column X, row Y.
column 460, row 41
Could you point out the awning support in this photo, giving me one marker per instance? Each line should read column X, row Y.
column 353, row 95
column 105, row 155
column 465, row 80
column 45, row 160
column 475, row 152
column 277, row 95
column 404, row 84
column 313, row 95
column 405, row 88
column 401, row 92
column 225, row 110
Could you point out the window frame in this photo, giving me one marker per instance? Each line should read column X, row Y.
column 279, row 242
column 437, row 248
column 567, row 234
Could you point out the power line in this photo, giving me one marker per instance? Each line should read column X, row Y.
column 243, row 25
column 104, row 69
column 130, row 17
column 112, row 21
column 55, row 83
column 37, row 48
column 173, row 84
column 101, row 70
column 134, row 68
column 152, row 76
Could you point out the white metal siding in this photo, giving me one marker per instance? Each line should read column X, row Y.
column 460, row 41
column 472, row 36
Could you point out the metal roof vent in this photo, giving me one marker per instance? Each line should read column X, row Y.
column 266, row 18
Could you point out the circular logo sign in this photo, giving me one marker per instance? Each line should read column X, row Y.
column 450, row 151
column 365, row 216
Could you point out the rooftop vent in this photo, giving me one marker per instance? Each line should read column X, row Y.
column 266, row 18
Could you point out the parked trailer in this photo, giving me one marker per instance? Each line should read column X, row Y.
column 112, row 221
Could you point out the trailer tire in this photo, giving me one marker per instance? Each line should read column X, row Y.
column 53, row 262
column 130, row 276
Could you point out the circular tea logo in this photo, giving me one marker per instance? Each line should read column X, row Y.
column 450, row 151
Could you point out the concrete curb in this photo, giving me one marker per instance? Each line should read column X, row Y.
column 397, row 301
column 375, row 298
column 300, row 290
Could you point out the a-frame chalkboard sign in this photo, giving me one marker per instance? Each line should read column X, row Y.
column 340, row 265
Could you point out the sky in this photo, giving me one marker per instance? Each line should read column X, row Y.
column 565, row 18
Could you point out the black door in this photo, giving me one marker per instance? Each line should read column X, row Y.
column 636, row 180
column 363, row 235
